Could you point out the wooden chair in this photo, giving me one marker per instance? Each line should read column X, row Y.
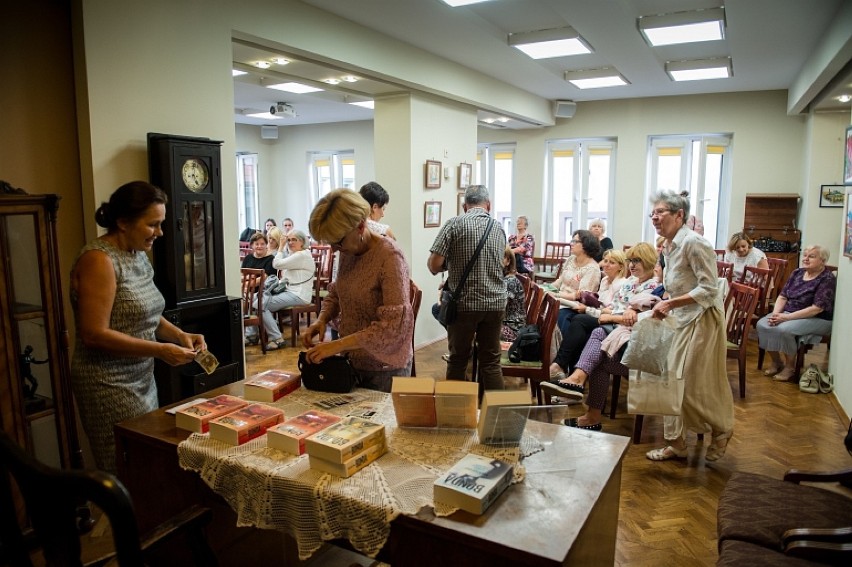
column 51, row 497
column 720, row 255
column 532, row 303
column 538, row 371
column 526, row 284
column 740, row 305
column 252, row 289
column 548, row 268
column 245, row 249
column 760, row 278
column 416, row 296
column 725, row 270
column 778, row 267
column 296, row 311
column 324, row 256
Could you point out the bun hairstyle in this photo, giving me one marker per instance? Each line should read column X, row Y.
column 128, row 202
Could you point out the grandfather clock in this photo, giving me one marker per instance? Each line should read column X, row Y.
column 189, row 265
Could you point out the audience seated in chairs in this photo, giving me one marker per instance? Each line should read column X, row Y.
column 741, row 253
column 802, row 313
column 516, row 315
column 581, row 272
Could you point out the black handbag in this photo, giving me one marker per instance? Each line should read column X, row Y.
column 450, row 300
column 334, row 374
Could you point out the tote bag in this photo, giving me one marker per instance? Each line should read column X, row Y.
column 651, row 394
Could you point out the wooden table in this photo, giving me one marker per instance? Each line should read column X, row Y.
column 564, row 513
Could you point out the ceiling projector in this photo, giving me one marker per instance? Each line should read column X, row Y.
column 283, row 109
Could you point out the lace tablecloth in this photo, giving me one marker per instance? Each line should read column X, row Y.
column 275, row 490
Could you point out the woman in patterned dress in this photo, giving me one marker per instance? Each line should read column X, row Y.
column 118, row 314
column 522, row 244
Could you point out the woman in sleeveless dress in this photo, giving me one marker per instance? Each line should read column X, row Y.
column 118, row 314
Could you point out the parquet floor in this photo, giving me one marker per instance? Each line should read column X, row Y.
column 668, row 509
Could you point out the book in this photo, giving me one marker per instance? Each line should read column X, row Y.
column 473, row 484
column 349, row 466
column 271, row 385
column 290, row 435
column 197, row 416
column 366, row 410
column 498, row 422
column 414, row 401
column 455, row 403
column 344, row 439
column 245, row 424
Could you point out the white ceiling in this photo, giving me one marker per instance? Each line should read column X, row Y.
column 769, row 41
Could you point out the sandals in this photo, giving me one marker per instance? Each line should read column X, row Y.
column 773, row 370
column 785, row 374
column 666, row 453
column 574, row 422
column 720, row 444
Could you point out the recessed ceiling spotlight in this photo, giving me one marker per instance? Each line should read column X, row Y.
column 332, row 81
column 503, row 119
column 488, row 120
column 844, row 98
column 262, row 64
column 350, row 78
column 280, row 61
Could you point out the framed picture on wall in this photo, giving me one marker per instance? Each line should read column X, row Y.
column 831, row 196
column 433, row 174
column 460, row 203
column 847, row 224
column 847, row 162
column 432, row 214
column 465, row 170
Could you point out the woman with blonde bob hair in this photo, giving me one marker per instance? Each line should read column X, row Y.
column 370, row 297
column 741, row 253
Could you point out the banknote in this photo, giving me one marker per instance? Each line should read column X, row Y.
column 207, row 360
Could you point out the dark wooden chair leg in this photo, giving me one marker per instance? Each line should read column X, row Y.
column 616, row 389
column 637, row 428
column 760, row 354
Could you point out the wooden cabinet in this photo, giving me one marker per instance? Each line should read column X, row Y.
column 771, row 220
column 35, row 390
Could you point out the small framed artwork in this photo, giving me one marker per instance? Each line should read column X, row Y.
column 465, row 170
column 847, row 162
column 831, row 196
column 460, row 203
column 847, row 224
column 433, row 174
column 432, row 214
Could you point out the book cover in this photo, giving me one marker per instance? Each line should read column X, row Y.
column 245, row 424
column 271, row 385
column 414, row 401
column 455, row 403
column 498, row 422
column 290, row 436
column 350, row 466
column 473, row 484
column 197, row 416
column 366, row 410
column 344, row 439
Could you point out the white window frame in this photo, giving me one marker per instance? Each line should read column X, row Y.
column 692, row 177
column 335, row 159
column 247, row 192
column 582, row 150
column 484, row 174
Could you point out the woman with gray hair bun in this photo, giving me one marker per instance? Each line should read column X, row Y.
column 698, row 349
column 598, row 228
column 803, row 311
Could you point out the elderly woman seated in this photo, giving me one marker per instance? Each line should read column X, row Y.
column 804, row 308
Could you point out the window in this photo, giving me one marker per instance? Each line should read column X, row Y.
column 331, row 170
column 495, row 169
column 247, row 191
column 580, row 185
column 699, row 164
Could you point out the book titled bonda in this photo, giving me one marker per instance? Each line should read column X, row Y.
column 271, row 385
column 290, row 436
column 473, row 484
column 345, row 439
column 197, row 416
column 245, row 424
column 349, row 466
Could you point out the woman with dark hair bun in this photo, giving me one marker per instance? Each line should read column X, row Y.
column 118, row 314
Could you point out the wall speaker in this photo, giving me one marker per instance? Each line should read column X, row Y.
column 269, row 132
column 564, row 108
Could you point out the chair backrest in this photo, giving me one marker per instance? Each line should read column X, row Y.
column 725, row 270
column 526, row 283
column 720, row 255
column 832, row 269
column 548, row 313
column 557, row 249
column 740, row 305
column 245, row 249
column 323, row 254
column 761, row 278
column 51, row 499
column 778, row 267
column 533, row 302
column 253, row 280
column 416, row 296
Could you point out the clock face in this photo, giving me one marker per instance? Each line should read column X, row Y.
column 194, row 173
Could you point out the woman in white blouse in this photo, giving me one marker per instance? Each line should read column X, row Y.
column 580, row 272
column 298, row 270
column 742, row 253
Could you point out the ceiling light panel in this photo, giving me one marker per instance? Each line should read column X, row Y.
column 293, row 87
column 457, row 3
column 683, row 27
column 237, row 72
column 596, row 78
column 699, row 69
column 544, row 44
column 371, row 104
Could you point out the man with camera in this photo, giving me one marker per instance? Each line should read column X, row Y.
column 470, row 249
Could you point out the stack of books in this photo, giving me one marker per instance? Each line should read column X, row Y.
column 245, row 424
column 290, row 436
column 197, row 417
column 271, row 385
column 414, row 401
column 473, row 484
column 346, row 447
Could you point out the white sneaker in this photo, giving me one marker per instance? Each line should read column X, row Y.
column 445, row 357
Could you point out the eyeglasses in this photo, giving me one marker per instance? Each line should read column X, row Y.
column 339, row 243
column 576, row 242
column 659, row 212
column 293, row 240
column 634, row 260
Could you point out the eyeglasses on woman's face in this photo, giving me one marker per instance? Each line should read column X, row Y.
column 659, row 212
column 575, row 241
column 634, row 261
column 293, row 240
